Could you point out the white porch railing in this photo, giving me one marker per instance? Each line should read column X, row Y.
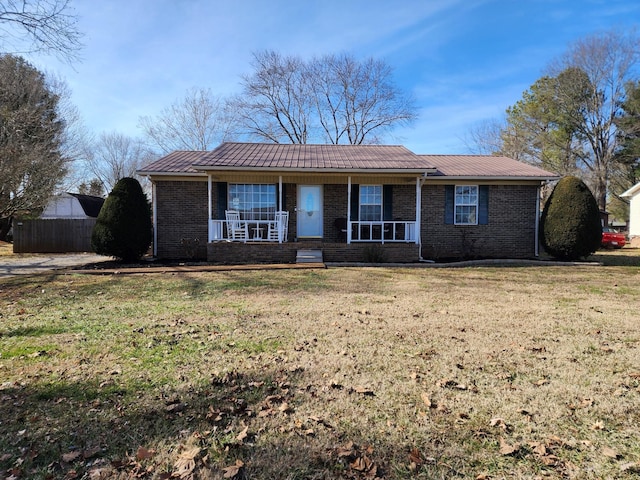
column 382, row 232
column 258, row 231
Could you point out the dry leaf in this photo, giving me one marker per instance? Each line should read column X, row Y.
column 143, row 453
column 415, row 457
column 345, row 450
column 538, row 448
column 364, row 391
column 609, row 452
column 427, row 401
column 599, row 425
column 506, row 449
column 242, row 435
column 631, row 467
column 71, row 456
column 186, row 463
column 233, row 470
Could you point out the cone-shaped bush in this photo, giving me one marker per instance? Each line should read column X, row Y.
column 570, row 226
column 123, row 227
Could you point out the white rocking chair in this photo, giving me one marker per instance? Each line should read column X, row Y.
column 236, row 228
column 279, row 229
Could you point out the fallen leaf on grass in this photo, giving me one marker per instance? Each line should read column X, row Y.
column 242, row 435
column 71, row 456
column 186, row 463
column 507, row 449
column 233, row 470
column 499, row 422
column 364, row 391
column 415, row 457
column 345, row 450
column 143, row 453
column 609, row 452
column 426, row 399
column 631, row 467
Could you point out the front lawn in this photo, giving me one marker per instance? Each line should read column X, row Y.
column 358, row 373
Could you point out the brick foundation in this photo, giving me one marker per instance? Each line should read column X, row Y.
column 262, row 252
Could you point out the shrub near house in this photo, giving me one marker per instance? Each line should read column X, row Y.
column 570, row 224
column 123, row 228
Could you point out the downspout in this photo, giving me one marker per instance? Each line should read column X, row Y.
column 537, row 225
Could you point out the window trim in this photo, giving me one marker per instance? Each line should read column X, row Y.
column 361, row 204
column 259, row 215
column 476, row 204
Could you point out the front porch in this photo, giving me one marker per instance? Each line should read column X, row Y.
column 223, row 252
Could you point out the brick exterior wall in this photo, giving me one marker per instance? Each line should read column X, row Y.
column 239, row 253
column 182, row 227
column 181, row 222
column 510, row 232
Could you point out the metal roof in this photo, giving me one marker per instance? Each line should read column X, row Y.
column 232, row 156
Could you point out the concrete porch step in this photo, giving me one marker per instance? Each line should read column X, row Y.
column 309, row 256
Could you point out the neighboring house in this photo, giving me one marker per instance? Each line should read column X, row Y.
column 64, row 226
column 633, row 194
column 73, row 205
column 349, row 202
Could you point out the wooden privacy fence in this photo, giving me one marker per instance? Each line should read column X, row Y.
column 52, row 236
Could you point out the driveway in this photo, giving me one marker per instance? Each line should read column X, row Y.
column 12, row 265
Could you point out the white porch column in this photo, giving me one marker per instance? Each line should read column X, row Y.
column 418, row 209
column 280, row 193
column 349, row 210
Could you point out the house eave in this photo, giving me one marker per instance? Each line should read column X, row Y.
column 150, row 173
column 323, row 170
column 632, row 191
column 496, row 178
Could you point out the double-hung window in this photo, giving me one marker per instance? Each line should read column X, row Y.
column 466, row 205
column 253, row 201
column 370, row 203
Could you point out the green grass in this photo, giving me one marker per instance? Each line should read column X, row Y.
column 324, row 369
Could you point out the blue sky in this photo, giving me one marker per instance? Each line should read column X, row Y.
column 464, row 61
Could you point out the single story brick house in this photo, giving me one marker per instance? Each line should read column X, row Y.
column 258, row 202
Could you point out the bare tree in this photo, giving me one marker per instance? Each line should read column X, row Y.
column 335, row 99
column 609, row 60
column 356, row 100
column 485, row 138
column 566, row 121
column 31, row 161
column 275, row 104
column 48, row 26
column 199, row 121
column 115, row 156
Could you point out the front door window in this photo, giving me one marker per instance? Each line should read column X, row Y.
column 309, row 211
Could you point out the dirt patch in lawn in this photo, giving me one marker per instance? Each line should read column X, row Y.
column 358, row 373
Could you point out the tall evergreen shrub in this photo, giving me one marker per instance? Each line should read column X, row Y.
column 570, row 226
column 123, row 227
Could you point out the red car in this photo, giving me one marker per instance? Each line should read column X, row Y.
column 612, row 239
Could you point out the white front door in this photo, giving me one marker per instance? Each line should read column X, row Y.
column 309, row 211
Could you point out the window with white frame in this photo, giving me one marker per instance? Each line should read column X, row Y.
column 370, row 203
column 466, row 205
column 253, row 201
